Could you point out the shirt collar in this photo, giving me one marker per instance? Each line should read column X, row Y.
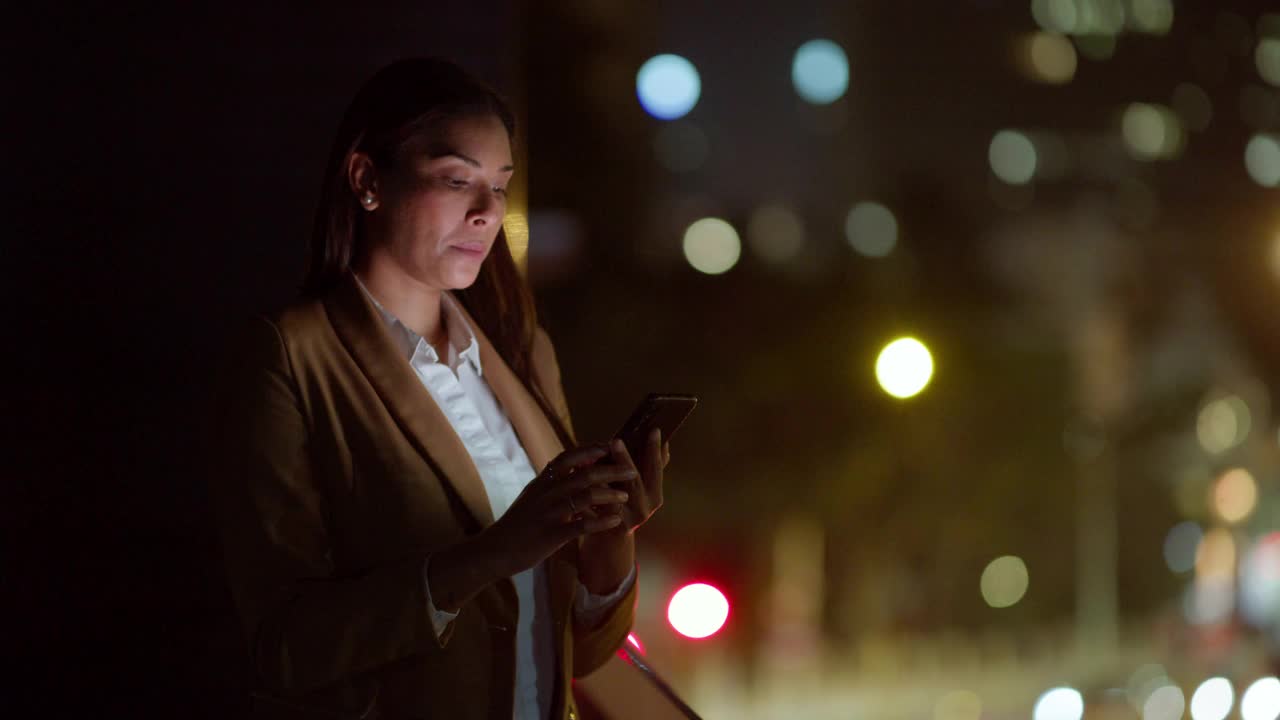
column 460, row 332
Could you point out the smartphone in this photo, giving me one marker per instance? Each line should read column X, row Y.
column 664, row 411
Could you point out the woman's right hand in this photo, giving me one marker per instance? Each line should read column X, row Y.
column 569, row 498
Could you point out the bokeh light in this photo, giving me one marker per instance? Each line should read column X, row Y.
column 1164, row 703
column 1144, row 681
column 871, row 229
column 1060, row 703
column 1223, row 423
column 711, row 246
column 1262, row 160
column 1180, row 546
column 1049, row 58
column 820, row 72
column 1212, row 700
column 1267, row 58
column 668, row 86
column 1260, row 582
column 1193, row 106
column 958, row 705
column 698, row 610
column 1261, row 701
column 681, row 146
column 775, row 233
column 1059, row 16
column 1012, row 156
column 1235, row 495
column 1154, row 17
column 1151, row 131
column 1004, row 581
column 1216, row 556
column 904, row 367
column 1096, row 47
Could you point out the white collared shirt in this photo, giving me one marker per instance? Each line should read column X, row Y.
column 459, row 388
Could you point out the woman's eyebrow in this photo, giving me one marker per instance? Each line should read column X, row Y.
column 440, row 152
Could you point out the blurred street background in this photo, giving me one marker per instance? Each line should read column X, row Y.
column 979, row 299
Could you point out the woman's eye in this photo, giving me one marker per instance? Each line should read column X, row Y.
column 500, row 191
column 455, row 182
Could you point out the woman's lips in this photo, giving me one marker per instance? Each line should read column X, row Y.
column 471, row 249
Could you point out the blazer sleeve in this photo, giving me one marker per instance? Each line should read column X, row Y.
column 307, row 627
column 592, row 646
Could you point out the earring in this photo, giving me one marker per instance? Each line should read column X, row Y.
column 368, row 199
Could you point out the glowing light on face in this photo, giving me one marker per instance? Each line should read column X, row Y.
column 668, row 86
column 904, row 367
column 820, row 72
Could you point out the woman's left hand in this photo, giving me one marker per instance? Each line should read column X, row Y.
column 644, row 494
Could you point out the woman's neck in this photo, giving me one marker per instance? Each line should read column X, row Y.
column 414, row 304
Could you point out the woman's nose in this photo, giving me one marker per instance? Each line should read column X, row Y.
column 485, row 208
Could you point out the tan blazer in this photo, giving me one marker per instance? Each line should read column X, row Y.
column 337, row 474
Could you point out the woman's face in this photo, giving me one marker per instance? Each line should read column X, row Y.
column 438, row 211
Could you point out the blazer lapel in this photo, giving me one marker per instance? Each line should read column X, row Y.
column 532, row 426
column 361, row 330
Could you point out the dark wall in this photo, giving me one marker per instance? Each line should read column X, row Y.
column 163, row 169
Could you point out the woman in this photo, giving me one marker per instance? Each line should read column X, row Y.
column 406, row 533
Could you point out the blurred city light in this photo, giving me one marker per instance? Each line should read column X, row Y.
column 681, row 146
column 1143, row 682
column 1235, row 495
column 871, row 229
column 820, row 72
column 1048, row 58
column 958, row 705
column 1223, row 423
column 1154, row 17
column 697, row 610
column 1216, row 556
column 1212, row 700
column 1059, row 16
column 775, row 233
column 1061, row 703
column 1180, row 546
column 1012, row 156
column 904, row 367
column 1004, row 581
column 1261, row 701
column 1267, row 57
column 1262, row 160
column 1193, row 106
column 1151, row 131
column 1260, row 582
column 668, row 86
column 1164, row 703
column 711, row 246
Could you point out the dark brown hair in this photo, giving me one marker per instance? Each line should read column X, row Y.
column 402, row 104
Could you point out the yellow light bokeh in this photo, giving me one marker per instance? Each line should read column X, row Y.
column 1004, row 582
column 711, row 246
column 1049, row 58
column 1216, row 556
column 1262, row 159
column 1223, row 424
column 1235, row 495
column 1151, row 131
column 904, row 367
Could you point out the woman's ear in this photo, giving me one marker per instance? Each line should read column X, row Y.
column 362, row 178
